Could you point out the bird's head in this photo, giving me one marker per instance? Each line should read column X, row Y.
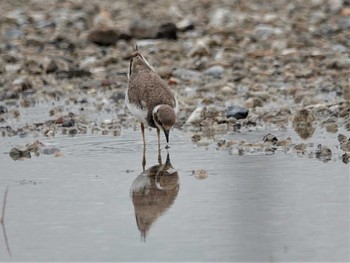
column 164, row 117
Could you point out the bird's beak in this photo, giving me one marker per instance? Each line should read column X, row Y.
column 166, row 132
column 167, row 158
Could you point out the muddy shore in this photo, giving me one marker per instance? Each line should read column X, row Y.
column 235, row 66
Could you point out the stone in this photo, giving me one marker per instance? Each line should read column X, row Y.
column 323, row 153
column 303, row 123
column 215, row 71
column 18, row 154
column 200, row 174
column 167, row 31
column 237, row 112
column 186, row 74
column 270, row 138
column 3, row 109
column 196, row 116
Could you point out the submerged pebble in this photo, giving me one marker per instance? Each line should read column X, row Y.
column 200, row 174
column 323, row 153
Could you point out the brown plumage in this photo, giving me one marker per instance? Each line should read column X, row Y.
column 149, row 98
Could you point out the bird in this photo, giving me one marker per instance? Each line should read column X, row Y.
column 148, row 97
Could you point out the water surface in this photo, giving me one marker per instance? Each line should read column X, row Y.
column 80, row 207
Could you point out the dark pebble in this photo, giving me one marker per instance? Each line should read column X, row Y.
column 237, row 112
column 168, row 31
column 105, row 37
column 68, row 74
column 270, row 138
column 68, row 123
column 346, row 158
column 3, row 109
column 323, row 153
column 72, row 132
column 51, row 67
column 17, row 154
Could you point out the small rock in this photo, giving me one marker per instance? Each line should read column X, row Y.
column 17, row 154
column 345, row 146
column 104, row 36
column 263, row 32
column 237, row 112
column 342, row 138
column 3, row 109
column 51, row 67
column 270, row 138
column 253, row 103
column 323, row 153
column 196, row 116
column 346, row 158
column 215, row 71
column 302, row 123
column 167, row 31
column 68, row 123
column 221, row 143
column 74, row 73
column 185, row 24
column 200, row 174
column 219, row 17
column 335, row 5
column 300, row 147
column 73, row 132
column 200, row 49
column 332, row 127
column 204, row 142
column 226, row 90
column 186, row 74
column 196, row 138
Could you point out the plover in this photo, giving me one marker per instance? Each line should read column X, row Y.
column 149, row 98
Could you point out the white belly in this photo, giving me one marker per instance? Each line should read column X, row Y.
column 137, row 112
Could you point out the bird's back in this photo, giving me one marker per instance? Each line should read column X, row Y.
column 147, row 89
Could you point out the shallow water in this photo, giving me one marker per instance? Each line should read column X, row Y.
column 80, row 207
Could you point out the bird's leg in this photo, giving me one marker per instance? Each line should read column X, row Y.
column 144, row 159
column 143, row 135
column 159, row 156
column 144, row 146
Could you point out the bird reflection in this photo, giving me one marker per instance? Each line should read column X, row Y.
column 153, row 192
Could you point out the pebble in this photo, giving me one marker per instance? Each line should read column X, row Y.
column 186, row 74
column 237, row 112
column 200, row 49
column 263, row 32
column 303, row 123
column 270, row 138
column 323, row 153
column 342, row 138
column 3, row 109
column 215, row 71
column 253, row 103
column 17, row 154
column 196, row 116
column 346, row 158
column 167, row 31
column 200, row 174
column 332, row 127
column 196, row 138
